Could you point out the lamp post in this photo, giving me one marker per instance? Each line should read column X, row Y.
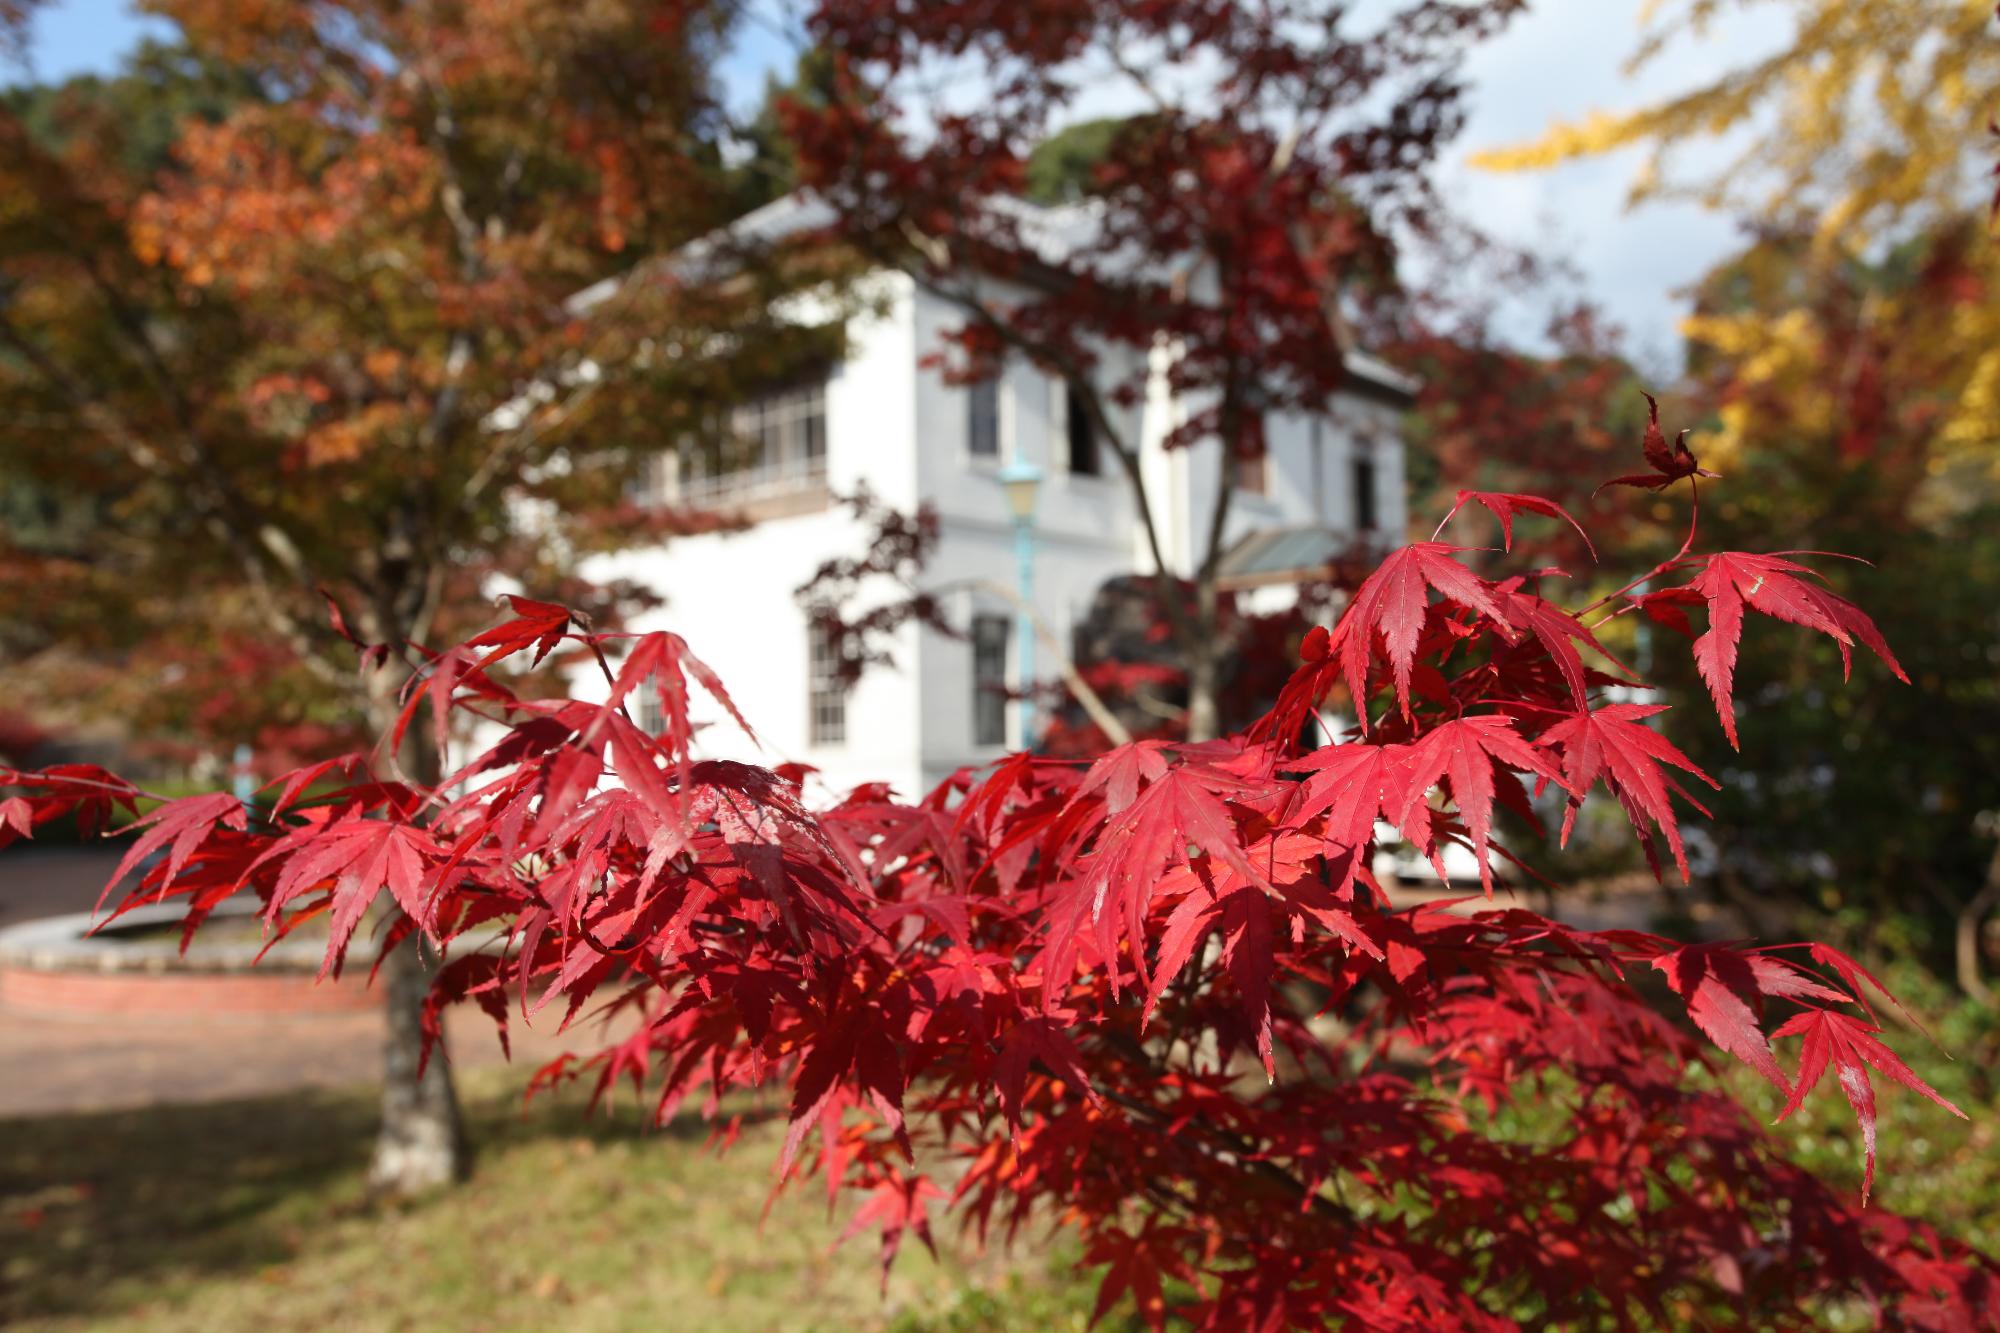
column 243, row 783
column 1022, row 479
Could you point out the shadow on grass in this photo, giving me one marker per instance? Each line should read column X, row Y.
column 105, row 1212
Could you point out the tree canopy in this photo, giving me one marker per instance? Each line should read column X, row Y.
column 326, row 351
column 1160, row 1000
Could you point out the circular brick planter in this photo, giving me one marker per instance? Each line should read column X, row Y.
column 56, row 966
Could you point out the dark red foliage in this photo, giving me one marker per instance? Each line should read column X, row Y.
column 1669, row 462
column 1246, row 216
column 1159, row 999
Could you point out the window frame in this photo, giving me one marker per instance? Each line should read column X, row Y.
column 982, row 409
column 990, row 692
column 1364, row 483
column 826, row 689
column 647, row 714
column 777, row 434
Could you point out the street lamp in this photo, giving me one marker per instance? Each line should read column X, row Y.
column 1022, row 479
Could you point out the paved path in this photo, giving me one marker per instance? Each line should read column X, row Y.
column 51, row 1065
column 48, row 881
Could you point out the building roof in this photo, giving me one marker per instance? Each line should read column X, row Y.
column 1056, row 232
column 1280, row 555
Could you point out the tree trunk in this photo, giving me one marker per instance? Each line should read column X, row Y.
column 1971, row 924
column 421, row 1144
column 1204, row 708
column 1204, row 651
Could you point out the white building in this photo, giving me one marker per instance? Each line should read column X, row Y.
column 881, row 419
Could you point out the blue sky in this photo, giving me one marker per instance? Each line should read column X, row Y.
column 1562, row 59
column 87, row 36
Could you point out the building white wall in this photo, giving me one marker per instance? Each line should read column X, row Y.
column 1083, row 534
column 896, row 426
column 1308, row 477
column 732, row 595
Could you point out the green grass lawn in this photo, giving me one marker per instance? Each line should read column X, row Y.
column 254, row 1214
column 1932, row 1166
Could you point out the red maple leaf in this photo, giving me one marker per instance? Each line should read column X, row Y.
column 355, row 858
column 899, row 1204
column 17, row 819
column 186, row 824
column 1354, row 786
column 1468, row 753
column 1720, row 985
column 1036, row 1039
column 1505, row 504
column 1556, row 631
column 1392, row 602
column 855, row 1044
column 1669, row 463
column 1615, row 744
column 1182, row 808
column 1137, row 1263
column 1731, row 580
column 541, row 625
column 1850, row 1046
column 664, row 659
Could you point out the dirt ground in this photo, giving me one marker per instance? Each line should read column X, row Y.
column 51, row 1064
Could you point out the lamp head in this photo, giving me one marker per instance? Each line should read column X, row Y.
column 1021, row 479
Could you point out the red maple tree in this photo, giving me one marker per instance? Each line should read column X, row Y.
column 1233, row 240
column 1157, row 998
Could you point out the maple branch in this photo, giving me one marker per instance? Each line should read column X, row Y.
column 16, row 777
column 1687, row 544
column 1180, row 1132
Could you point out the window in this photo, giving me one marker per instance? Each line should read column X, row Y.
column 786, row 426
column 826, row 689
column 646, row 715
column 1081, row 432
column 1250, row 466
column 1317, row 445
column 982, row 418
column 1365, row 517
column 777, row 437
column 657, row 481
column 989, row 679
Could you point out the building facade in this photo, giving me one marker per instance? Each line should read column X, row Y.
column 879, row 418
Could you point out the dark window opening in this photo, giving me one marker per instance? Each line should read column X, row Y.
column 982, row 420
column 1366, row 518
column 1082, row 432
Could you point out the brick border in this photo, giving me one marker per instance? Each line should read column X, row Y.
column 41, row 992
